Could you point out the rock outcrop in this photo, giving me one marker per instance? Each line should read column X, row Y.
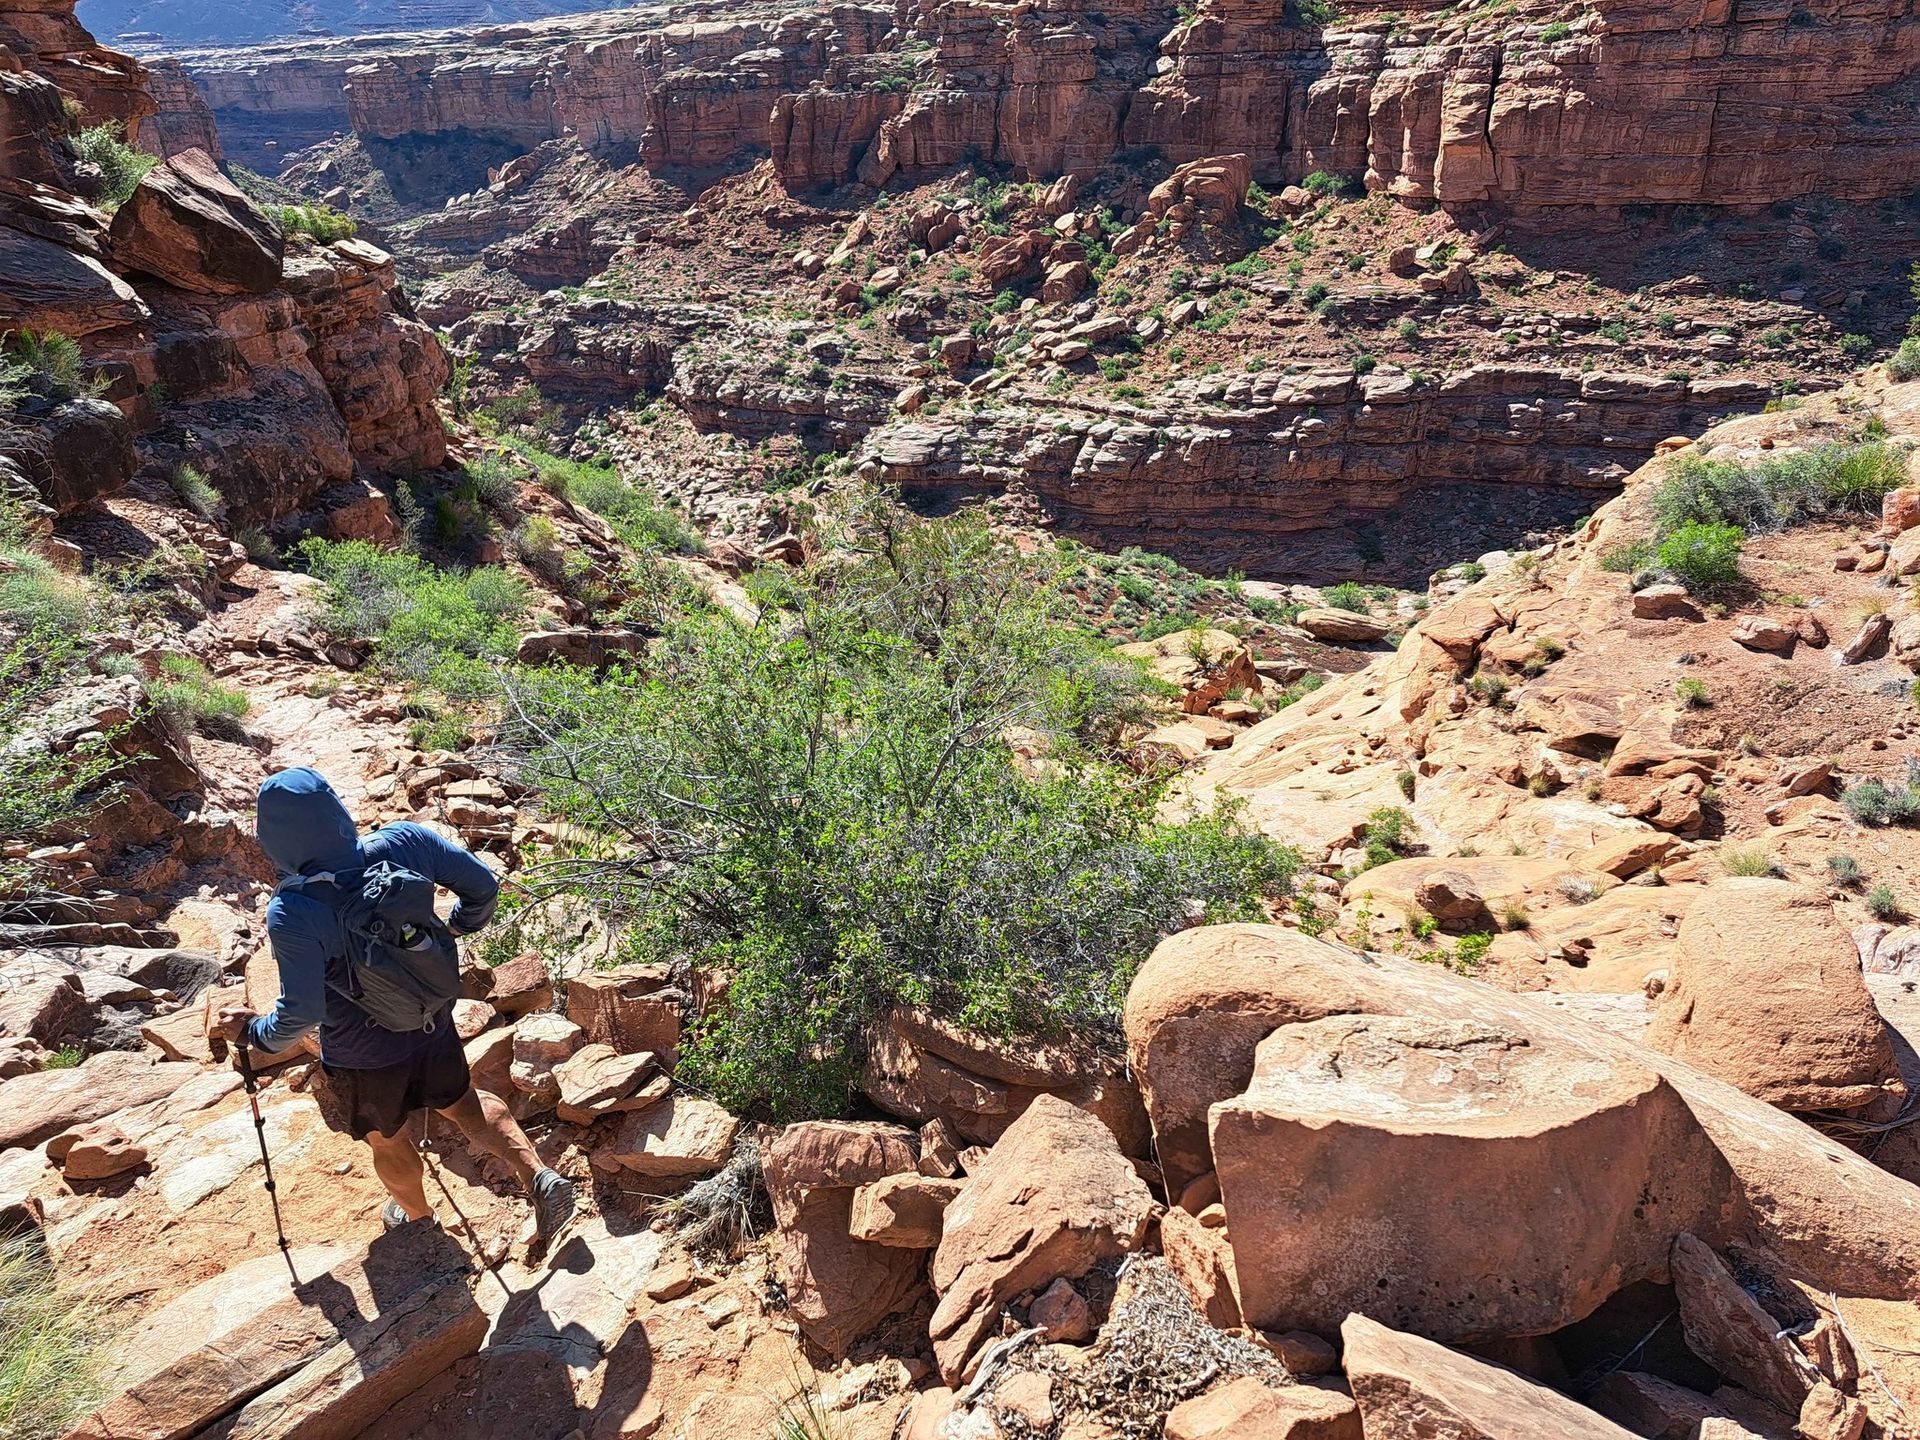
column 841, row 1285
column 187, row 225
column 1408, row 1388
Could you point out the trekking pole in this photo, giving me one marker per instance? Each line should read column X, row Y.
column 252, row 1084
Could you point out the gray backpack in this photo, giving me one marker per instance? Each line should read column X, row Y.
column 401, row 957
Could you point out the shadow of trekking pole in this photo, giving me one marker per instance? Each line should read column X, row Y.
column 480, row 1251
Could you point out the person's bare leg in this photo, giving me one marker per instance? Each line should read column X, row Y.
column 484, row 1119
column 397, row 1164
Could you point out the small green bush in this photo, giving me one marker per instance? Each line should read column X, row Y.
column 1347, row 595
column 1845, row 871
column 637, row 517
column 1385, row 835
column 50, row 1346
column 123, row 167
column 187, row 697
column 1692, row 693
column 318, row 222
column 1470, row 952
column 1781, row 491
column 46, row 364
column 1489, row 687
column 1704, row 558
column 1325, row 184
column 1556, row 31
column 1905, row 361
column 1882, row 904
column 1747, row 860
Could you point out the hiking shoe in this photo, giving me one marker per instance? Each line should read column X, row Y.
column 553, row 1204
column 393, row 1217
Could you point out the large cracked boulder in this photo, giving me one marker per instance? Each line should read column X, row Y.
column 1052, row 1199
column 1766, row 993
column 188, row 225
column 840, row 1286
column 1733, row 1171
column 1438, row 1174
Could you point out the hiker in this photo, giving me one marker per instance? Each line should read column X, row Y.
column 376, row 1075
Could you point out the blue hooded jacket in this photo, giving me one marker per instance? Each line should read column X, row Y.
column 305, row 830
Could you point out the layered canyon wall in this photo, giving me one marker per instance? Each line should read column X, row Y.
column 1715, row 102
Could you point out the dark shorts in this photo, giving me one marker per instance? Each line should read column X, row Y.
column 364, row 1102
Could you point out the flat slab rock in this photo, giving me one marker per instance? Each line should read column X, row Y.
column 250, row 1354
column 1408, row 1388
column 37, row 1107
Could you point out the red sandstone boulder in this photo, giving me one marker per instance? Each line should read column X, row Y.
column 1053, row 1198
column 1726, row 1327
column 1766, row 993
column 680, row 1138
column 630, row 1008
column 840, row 1286
column 1198, row 1008
column 188, row 225
column 902, row 1210
column 1399, row 1149
column 598, row 1080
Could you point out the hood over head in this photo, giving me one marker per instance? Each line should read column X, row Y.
column 302, row 825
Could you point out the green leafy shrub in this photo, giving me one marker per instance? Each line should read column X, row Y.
column 1325, row 184
column 123, row 167
column 1704, row 558
column 1692, row 693
column 1385, row 835
column 1904, row 364
column 824, row 804
column 1845, row 871
column 1873, row 802
column 1470, row 952
column 636, row 516
column 419, row 616
column 1781, row 491
column 1556, row 31
column 1882, row 903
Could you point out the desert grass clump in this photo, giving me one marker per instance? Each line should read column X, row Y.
column 1747, row 860
column 49, row 1347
